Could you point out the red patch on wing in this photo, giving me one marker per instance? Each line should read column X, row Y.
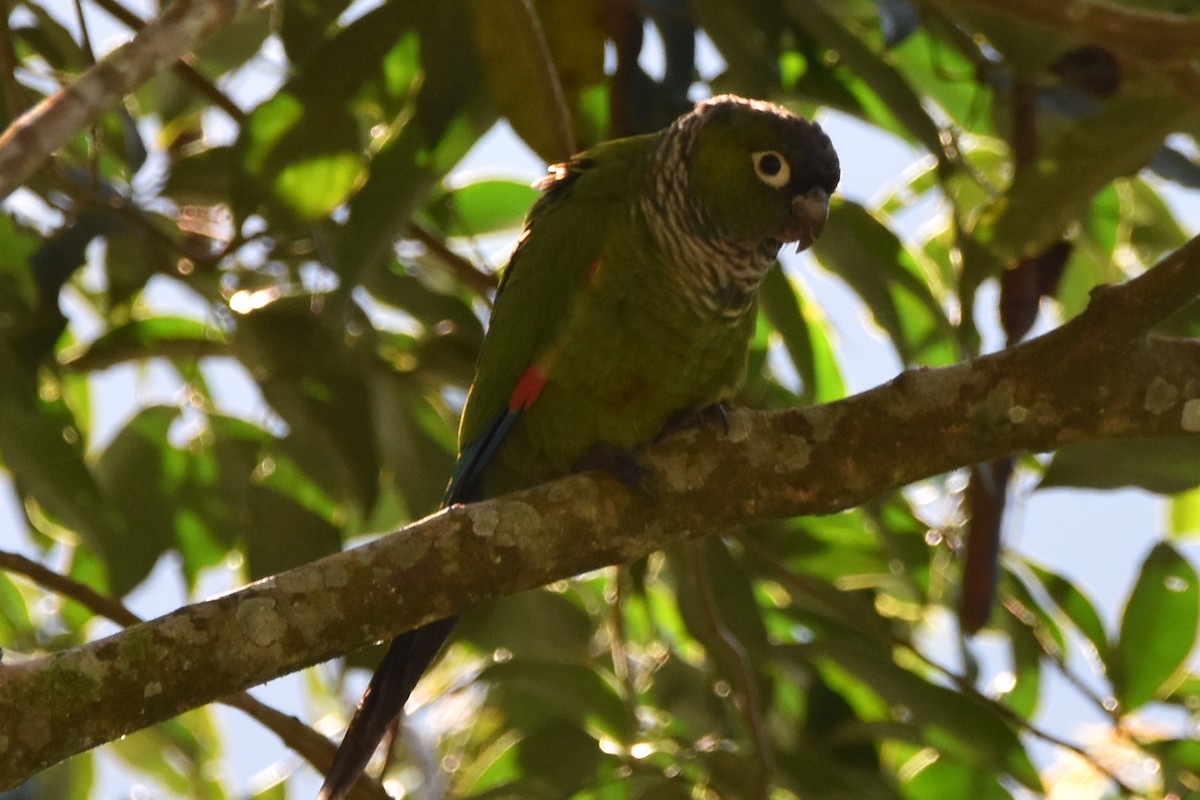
column 527, row 389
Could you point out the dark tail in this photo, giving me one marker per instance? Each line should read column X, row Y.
column 408, row 656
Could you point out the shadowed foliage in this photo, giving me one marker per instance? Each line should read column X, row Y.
column 239, row 314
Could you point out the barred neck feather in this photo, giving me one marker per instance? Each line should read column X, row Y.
column 717, row 276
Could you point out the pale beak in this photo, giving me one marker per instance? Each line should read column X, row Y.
column 809, row 212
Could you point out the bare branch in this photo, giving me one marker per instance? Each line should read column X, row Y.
column 34, row 137
column 483, row 282
column 1089, row 380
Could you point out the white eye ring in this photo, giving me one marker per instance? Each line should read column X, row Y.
column 771, row 168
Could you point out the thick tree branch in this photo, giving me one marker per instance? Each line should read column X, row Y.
column 37, row 133
column 302, row 739
column 1098, row 377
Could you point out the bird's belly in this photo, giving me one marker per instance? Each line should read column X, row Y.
column 617, row 389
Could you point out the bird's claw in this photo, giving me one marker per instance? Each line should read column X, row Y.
column 621, row 464
column 714, row 414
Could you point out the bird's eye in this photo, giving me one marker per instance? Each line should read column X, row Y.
column 771, row 168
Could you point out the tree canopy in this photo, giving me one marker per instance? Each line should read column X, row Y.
column 242, row 288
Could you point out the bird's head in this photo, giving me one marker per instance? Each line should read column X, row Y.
column 760, row 174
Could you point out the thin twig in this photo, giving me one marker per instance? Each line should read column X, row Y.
column 31, row 139
column 74, row 590
column 464, row 270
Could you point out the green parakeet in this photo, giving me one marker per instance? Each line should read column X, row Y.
column 629, row 299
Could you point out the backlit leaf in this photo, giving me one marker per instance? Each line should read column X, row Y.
column 1158, row 627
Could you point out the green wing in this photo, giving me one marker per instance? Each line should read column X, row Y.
column 587, row 202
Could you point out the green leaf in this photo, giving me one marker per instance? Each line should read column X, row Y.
column 481, row 207
column 213, row 516
column 317, row 379
column 307, row 145
column 179, row 754
column 16, row 625
column 1026, row 651
column 517, row 53
column 86, row 569
column 530, row 689
column 205, row 176
column 717, row 602
column 897, row 99
column 231, row 46
column 555, row 761
column 1162, row 465
column 1185, row 322
column 72, row 779
column 685, row 692
column 18, row 287
column 312, row 187
column 1075, row 605
column 563, row 632
column 1158, row 628
column 42, row 447
column 1151, row 226
column 53, row 42
column 281, row 533
column 926, row 776
column 66, row 250
column 174, row 99
column 939, row 72
column 1185, row 514
column 1033, row 615
column 272, row 791
column 447, row 117
column 805, row 334
column 284, row 476
column 1180, row 760
column 959, row 726
column 305, row 23
column 154, row 337
column 416, row 444
column 747, row 34
column 141, row 472
column 1114, row 142
column 131, row 261
column 868, row 255
column 305, row 152
column 429, row 306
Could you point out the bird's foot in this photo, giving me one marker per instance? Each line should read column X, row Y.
column 714, row 414
column 621, row 464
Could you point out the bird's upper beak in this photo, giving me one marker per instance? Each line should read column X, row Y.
column 809, row 212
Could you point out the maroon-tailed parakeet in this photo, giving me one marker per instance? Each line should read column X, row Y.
column 630, row 298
